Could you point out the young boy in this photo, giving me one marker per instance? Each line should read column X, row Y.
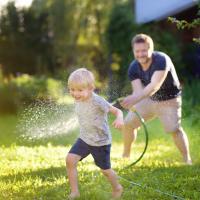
column 95, row 137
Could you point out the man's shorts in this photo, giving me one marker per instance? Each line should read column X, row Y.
column 168, row 112
column 101, row 154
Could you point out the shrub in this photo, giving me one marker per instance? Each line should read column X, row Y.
column 191, row 99
column 26, row 89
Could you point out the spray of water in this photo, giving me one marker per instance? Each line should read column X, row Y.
column 46, row 119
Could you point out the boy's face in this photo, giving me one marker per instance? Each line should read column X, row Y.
column 80, row 94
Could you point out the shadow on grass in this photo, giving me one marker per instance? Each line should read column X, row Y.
column 52, row 184
column 166, row 182
column 45, row 184
column 181, row 181
column 44, row 174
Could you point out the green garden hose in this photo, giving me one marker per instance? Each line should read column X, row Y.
column 146, row 139
column 145, row 132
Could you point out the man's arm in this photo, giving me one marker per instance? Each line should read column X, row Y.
column 137, row 86
column 140, row 93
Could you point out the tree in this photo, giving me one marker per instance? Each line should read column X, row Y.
column 26, row 45
column 78, row 29
column 191, row 58
column 183, row 24
column 119, row 33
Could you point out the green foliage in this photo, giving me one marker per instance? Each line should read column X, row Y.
column 191, row 99
column 26, row 89
column 52, row 35
column 8, row 100
column 121, row 18
column 26, row 45
column 183, row 24
column 78, row 37
column 171, row 44
column 119, row 33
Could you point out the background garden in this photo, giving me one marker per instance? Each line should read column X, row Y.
column 39, row 47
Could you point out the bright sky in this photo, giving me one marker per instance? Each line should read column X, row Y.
column 18, row 3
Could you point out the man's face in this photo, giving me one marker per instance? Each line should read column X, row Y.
column 142, row 52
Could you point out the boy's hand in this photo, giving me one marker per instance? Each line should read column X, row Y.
column 118, row 123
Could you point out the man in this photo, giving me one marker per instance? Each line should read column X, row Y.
column 156, row 93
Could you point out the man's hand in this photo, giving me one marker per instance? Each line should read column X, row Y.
column 128, row 101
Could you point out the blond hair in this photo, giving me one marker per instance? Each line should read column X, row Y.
column 143, row 38
column 81, row 78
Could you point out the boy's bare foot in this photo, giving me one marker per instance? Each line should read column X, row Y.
column 74, row 196
column 117, row 193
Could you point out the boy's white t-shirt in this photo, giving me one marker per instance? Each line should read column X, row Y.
column 92, row 117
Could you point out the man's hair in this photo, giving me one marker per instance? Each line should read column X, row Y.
column 81, row 78
column 143, row 38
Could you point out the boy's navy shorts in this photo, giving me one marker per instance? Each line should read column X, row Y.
column 101, row 154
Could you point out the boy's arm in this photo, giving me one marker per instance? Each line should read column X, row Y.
column 119, row 121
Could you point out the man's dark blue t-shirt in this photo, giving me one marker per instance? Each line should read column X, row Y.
column 160, row 61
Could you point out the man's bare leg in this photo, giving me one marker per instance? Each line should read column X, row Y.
column 129, row 136
column 181, row 141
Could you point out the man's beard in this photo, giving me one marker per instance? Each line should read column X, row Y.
column 145, row 60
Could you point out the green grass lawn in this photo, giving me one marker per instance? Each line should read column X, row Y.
column 35, row 169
